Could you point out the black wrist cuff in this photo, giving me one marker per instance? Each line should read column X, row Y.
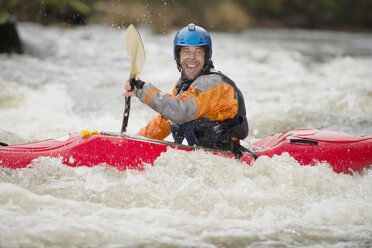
column 136, row 83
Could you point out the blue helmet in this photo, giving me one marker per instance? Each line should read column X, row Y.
column 192, row 35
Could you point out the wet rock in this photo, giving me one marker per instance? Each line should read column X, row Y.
column 10, row 41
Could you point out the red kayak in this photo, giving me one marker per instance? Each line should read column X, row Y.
column 344, row 152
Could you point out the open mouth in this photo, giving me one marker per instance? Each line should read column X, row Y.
column 192, row 68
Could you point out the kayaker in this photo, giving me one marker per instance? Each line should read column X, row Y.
column 206, row 107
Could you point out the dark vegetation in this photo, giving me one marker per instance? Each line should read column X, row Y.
column 226, row 15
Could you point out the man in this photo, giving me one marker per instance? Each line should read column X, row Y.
column 206, row 108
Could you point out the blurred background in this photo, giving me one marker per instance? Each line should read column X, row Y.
column 298, row 63
column 214, row 15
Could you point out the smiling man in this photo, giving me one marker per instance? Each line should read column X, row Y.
column 206, row 107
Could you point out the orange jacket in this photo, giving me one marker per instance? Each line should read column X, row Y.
column 208, row 96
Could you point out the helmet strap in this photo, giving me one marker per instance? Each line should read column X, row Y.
column 179, row 67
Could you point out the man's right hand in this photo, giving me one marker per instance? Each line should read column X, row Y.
column 128, row 89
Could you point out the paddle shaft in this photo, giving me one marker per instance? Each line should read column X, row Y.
column 126, row 114
column 127, row 107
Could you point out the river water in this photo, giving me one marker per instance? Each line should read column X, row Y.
column 71, row 79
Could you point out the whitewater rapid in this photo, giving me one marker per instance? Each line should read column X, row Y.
column 71, row 79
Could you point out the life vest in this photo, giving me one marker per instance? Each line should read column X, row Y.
column 212, row 133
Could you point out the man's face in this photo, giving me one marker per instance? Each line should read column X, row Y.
column 192, row 61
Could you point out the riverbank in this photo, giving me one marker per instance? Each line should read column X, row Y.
column 231, row 16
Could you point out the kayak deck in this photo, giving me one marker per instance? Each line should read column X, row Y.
column 344, row 152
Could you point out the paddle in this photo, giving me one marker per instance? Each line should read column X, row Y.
column 136, row 54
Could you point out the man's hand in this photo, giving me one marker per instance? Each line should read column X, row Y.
column 128, row 89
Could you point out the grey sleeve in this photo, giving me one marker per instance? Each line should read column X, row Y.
column 176, row 111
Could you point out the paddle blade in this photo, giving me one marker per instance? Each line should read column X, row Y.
column 135, row 50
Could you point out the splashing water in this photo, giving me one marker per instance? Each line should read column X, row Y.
column 185, row 201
